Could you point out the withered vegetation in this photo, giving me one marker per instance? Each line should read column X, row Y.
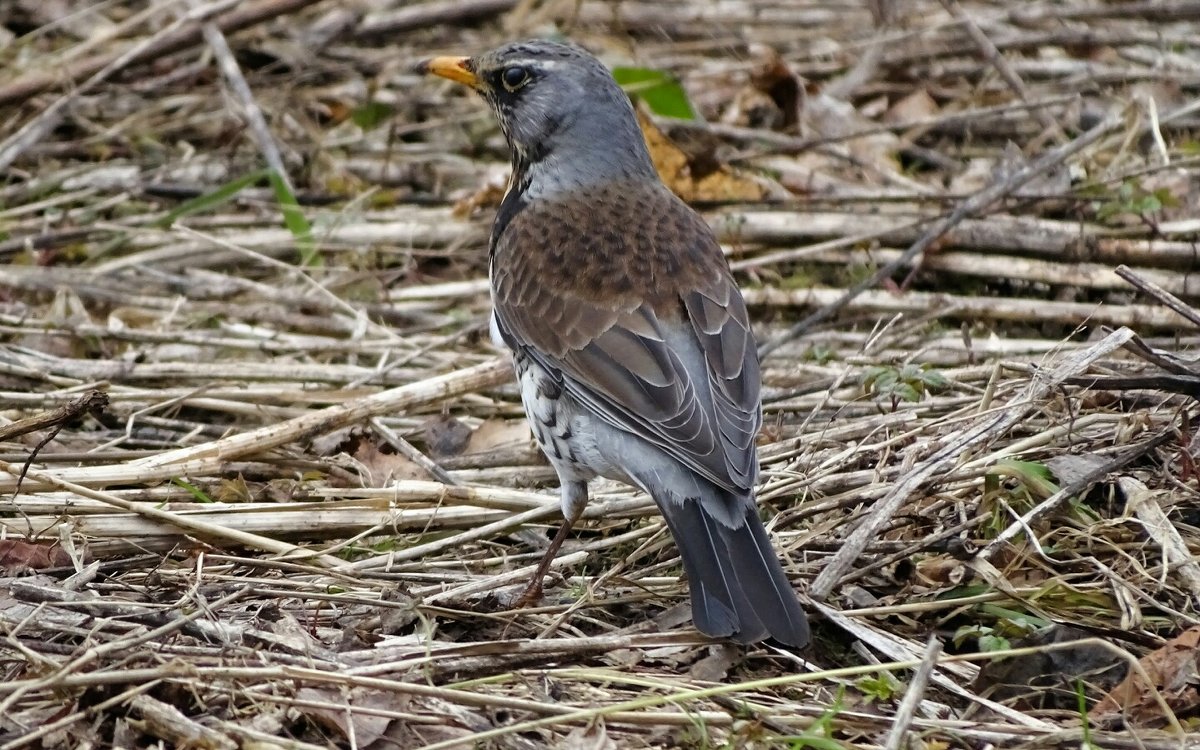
column 266, row 483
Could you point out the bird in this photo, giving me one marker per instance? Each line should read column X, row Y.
column 630, row 338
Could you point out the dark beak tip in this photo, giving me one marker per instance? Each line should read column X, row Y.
column 420, row 67
column 457, row 69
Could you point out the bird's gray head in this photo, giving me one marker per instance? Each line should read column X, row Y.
column 567, row 122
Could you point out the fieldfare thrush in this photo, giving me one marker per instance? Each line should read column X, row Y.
column 629, row 335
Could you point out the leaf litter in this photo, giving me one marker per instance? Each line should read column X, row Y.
column 290, row 521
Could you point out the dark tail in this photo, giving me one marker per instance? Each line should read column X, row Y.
column 738, row 587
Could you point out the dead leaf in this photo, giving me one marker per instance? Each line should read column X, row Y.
column 337, row 711
column 751, row 108
column 17, row 556
column 918, row 105
column 334, row 442
column 1181, row 185
column 15, row 722
column 623, row 658
column 978, row 174
column 405, row 734
column 670, row 618
column 495, row 434
column 285, row 633
column 384, row 466
column 234, row 491
column 940, row 571
column 774, row 98
column 674, row 657
column 379, row 464
column 445, row 436
column 124, row 734
column 65, row 15
column 393, row 620
column 1174, row 670
column 984, row 171
column 776, row 79
column 829, row 117
column 715, row 667
column 699, row 177
column 166, row 722
column 67, row 311
column 458, row 722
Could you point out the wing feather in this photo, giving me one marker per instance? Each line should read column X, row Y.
column 666, row 353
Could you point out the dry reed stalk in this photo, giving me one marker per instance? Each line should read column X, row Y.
column 199, row 556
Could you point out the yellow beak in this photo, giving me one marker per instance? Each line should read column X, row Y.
column 454, row 68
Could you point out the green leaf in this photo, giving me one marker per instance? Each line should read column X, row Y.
column 879, row 379
column 967, row 632
column 295, row 221
column 989, row 643
column 1147, row 204
column 1013, row 621
column 658, row 89
column 819, row 353
column 882, row 686
column 1166, row 198
column 1106, row 211
column 933, row 379
column 370, row 115
column 907, row 383
column 212, row 199
column 963, row 592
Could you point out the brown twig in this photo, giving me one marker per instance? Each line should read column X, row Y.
column 92, row 402
column 1162, row 295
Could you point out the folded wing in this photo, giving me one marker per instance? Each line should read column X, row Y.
column 680, row 371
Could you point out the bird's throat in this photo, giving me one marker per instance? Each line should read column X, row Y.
column 514, row 198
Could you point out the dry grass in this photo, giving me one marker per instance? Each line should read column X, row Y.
column 273, row 534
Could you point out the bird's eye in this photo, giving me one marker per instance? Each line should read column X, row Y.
column 514, row 77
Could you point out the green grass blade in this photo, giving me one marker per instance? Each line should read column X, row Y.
column 211, row 200
column 295, row 221
column 200, row 495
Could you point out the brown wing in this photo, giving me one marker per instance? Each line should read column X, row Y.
column 645, row 327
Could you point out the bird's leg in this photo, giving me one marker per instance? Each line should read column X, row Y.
column 574, row 499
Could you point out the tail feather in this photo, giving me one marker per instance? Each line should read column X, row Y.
column 738, row 588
